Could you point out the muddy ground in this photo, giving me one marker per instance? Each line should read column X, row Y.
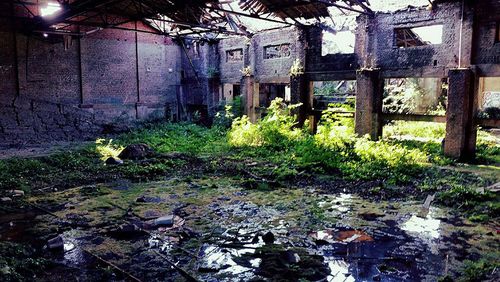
column 228, row 225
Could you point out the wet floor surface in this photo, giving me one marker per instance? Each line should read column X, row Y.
column 220, row 231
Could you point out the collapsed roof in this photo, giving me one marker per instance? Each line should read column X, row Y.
column 181, row 18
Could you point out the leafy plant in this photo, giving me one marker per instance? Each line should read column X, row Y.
column 107, row 149
column 246, row 71
column 296, row 68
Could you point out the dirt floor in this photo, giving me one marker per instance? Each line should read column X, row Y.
column 39, row 150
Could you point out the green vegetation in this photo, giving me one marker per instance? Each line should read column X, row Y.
column 17, row 262
column 283, row 151
column 333, row 148
column 480, row 270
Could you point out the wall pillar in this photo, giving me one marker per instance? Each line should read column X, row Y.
column 250, row 97
column 369, row 94
column 301, row 92
column 461, row 131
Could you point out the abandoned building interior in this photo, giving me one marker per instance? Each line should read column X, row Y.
column 250, row 140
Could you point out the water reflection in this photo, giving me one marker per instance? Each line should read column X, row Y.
column 426, row 228
column 339, row 271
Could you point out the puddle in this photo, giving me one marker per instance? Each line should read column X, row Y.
column 218, row 235
column 341, row 203
column 339, row 271
column 427, row 227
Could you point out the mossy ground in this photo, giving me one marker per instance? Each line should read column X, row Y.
column 294, row 175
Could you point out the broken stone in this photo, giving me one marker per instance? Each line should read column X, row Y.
column 149, row 199
column 151, row 214
column 127, row 231
column 56, row 243
column 291, row 257
column 16, row 193
column 349, row 236
column 424, row 211
column 6, row 199
column 167, row 220
column 136, row 152
column 113, row 161
column 268, row 238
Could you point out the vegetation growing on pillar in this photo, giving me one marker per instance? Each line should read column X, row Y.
column 246, row 71
column 297, row 68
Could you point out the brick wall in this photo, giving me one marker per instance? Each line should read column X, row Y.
column 429, row 60
column 49, row 92
column 486, row 51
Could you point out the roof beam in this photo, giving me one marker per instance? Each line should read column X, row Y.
column 330, row 3
column 247, row 15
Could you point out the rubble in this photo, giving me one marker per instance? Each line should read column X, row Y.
column 137, row 152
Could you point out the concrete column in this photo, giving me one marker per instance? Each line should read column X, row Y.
column 369, row 94
column 461, row 131
column 250, row 97
column 301, row 92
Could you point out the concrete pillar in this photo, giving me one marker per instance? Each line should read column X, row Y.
column 250, row 97
column 301, row 92
column 369, row 94
column 461, row 131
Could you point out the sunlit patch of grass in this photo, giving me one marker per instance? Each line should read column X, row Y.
column 428, row 130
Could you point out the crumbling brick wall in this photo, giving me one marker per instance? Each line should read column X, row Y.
column 486, row 43
column 201, row 77
column 274, row 70
column 53, row 91
column 381, row 52
column 330, row 66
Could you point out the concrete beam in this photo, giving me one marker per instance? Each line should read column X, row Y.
column 301, row 92
column 461, row 130
column 250, row 97
column 370, row 89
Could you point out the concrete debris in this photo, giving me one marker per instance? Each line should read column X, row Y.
column 5, row 199
column 292, row 257
column 424, row 211
column 113, row 161
column 56, row 243
column 137, row 152
column 268, row 238
column 16, row 193
column 167, row 220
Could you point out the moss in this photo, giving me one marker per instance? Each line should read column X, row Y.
column 479, row 270
column 19, row 262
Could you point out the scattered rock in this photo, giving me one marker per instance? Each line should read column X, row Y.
column 56, row 243
column 16, row 193
column 5, row 199
column 149, row 199
column 127, row 231
column 136, row 152
column 268, row 238
column 349, row 236
column 167, row 220
column 424, row 211
column 291, row 257
column 151, row 214
column 113, row 161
